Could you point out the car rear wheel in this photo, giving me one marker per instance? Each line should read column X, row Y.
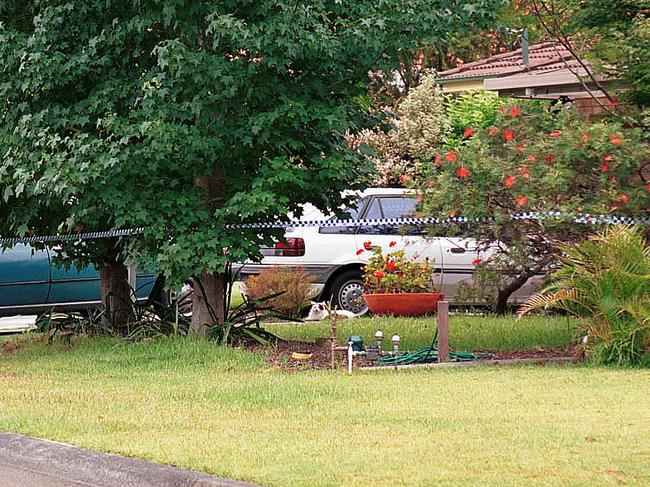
column 347, row 292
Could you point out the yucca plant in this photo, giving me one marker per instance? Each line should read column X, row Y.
column 605, row 281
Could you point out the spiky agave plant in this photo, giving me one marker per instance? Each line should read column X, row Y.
column 605, row 281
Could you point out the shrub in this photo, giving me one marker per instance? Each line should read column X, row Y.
column 295, row 282
column 605, row 281
column 535, row 161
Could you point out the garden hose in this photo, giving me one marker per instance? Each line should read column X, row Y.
column 428, row 354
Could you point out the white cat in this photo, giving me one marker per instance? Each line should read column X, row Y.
column 320, row 311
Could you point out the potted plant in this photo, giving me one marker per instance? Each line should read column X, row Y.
column 394, row 284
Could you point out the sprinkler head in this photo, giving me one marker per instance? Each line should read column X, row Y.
column 379, row 336
column 395, row 340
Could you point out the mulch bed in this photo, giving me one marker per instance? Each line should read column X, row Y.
column 280, row 356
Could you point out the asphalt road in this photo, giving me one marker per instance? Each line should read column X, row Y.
column 27, row 462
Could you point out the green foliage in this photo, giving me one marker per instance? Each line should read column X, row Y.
column 483, row 287
column 423, row 123
column 243, row 323
column 474, row 109
column 392, row 272
column 617, row 35
column 605, row 281
column 112, row 111
column 294, row 283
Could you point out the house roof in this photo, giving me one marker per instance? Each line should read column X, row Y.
column 552, row 71
column 541, row 57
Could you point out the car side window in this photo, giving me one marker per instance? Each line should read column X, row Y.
column 402, row 207
column 398, row 207
column 391, row 207
column 374, row 212
column 352, row 213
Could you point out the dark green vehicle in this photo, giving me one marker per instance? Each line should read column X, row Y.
column 31, row 283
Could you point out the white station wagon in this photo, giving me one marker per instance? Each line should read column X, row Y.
column 330, row 253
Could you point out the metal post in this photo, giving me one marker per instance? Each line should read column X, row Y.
column 443, row 331
column 132, row 276
column 350, row 355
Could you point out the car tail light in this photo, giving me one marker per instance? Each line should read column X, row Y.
column 291, row 247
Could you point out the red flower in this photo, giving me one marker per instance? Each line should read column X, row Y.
column 608, row 159
column 515, row 111
column 520, row 148
column 360, row 251
column 392, row 244
column 508, row 135
column 604, row 167
column 624, row 198
column 616, row 140
column 437, row 159
column 367, row 245
column 521, row 201
column 468, row 132
column 390, row 266
column 379, row 274
column 419, row 198
column 523, row 170
column 532, row 158
column 476, row 262
column 613, row 179
column 585, row 137
column 493, row 131
column 452, row 213
column 451, row 156
column 549, row 159
column 462, row 172
column 405, row 179
column 647, row 187
column 508, row 181
column 555, row 134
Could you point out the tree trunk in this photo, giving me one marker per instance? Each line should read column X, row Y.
column 116, row 295
column 207, row 302
column 504, row 294
column 209, row 287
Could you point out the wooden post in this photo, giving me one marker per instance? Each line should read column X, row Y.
column 443, row 331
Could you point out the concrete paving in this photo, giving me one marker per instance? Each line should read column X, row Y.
column 27, row 461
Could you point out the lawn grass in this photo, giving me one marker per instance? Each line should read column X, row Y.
column 195, row 405
column 465, row 332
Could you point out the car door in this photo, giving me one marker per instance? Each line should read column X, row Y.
column 73, row 286
column 24, row 277
column 459, row 258
column 409, row 238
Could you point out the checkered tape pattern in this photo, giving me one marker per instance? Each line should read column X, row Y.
column 581, row 218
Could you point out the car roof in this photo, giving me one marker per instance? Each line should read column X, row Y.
column 387, row 191
column 310, row 212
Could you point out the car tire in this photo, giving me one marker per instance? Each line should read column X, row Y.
column 347, row 292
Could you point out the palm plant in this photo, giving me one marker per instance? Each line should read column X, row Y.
column 605, row 281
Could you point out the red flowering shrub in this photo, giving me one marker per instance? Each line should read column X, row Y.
column 559, row 163
column 392, row 272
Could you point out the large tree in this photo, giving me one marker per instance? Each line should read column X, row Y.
column 187, row 116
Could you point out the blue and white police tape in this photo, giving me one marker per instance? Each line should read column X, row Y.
column 72, row 237
column 581, row 218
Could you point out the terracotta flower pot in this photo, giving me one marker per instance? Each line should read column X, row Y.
column 406, row 304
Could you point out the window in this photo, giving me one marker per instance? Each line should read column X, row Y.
column 351, row 213
column 391, row 207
